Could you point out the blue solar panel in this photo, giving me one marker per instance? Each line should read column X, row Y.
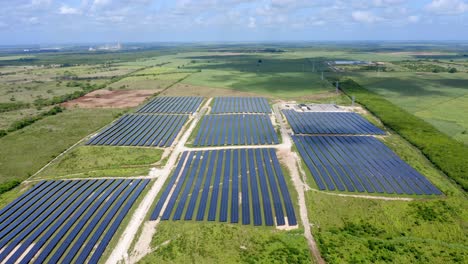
column 50, row 215
column 141, row 130
column 361, row 163
column 330, row 123
column 240, row 105
column 172, row 105
column 256, row 170
column 236, row 129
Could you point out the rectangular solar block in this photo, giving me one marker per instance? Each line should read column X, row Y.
column 236, row 129
column 330, row 123
column 141, row 130
column 359, row 164
column 38, row 227
column 215, row 190
column 172, row 105
column 223, row 105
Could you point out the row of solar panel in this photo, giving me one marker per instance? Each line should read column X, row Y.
column 77, row 217
column 236, row 129
column 330, row 123
column 217, row 175
column 240, row 105
column 172, row 105
column 363, row 164
column 141, row 130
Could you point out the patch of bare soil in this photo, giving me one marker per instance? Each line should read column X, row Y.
column 182, row 89
column 110, row 99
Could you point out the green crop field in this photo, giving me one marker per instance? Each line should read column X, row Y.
column 439, row 98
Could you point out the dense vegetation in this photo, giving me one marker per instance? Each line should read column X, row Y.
column 5, row 107
column 192, row 242
column 446, row 153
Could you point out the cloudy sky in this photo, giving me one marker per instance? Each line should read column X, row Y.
column 80, row 21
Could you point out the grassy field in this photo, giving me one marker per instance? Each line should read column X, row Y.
column 439, row 98
column 108, row 161
column 189, row 242
column 27, row 150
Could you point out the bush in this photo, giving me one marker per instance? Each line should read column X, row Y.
column 446, row 153
column 7, row 186
column 30, row 120
column 3, row 133
column 5, row 107
column 453, row 70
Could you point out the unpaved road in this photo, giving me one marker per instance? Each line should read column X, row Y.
column 123, row 246
column 291, row 160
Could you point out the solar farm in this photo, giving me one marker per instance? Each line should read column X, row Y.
column 223, row 105
column 232, row 183
column 172, row 105
column 359, row 164
column 330, row 123
column 232, row 173
column 141, row 130
column 236, row 129
column 66, row 221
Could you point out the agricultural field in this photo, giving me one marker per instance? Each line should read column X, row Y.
column 439, row 98
column 206, row 154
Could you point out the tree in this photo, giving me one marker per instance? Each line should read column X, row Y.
column 453, row 70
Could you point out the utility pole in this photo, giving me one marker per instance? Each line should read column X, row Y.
column 322, row 76
column 337, row 86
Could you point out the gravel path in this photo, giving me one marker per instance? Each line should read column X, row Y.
column 143, row 244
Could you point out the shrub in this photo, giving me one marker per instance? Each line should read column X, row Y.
column 453, row 70
column 7, row 186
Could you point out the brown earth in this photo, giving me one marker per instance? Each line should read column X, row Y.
column 110, row 99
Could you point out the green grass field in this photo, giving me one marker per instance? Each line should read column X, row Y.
column 27, row 150
column 189, row 242
column 107, row 161
column 439, row 98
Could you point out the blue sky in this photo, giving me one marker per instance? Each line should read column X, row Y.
column 81, row 21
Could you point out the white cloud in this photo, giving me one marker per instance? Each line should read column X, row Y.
column 41, row 2
column 365, row 17
column 252, row 22
column 413, row 19
column 447, row 7
column 66, row 10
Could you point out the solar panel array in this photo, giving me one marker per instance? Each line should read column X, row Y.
column 330, row 123
column 172, row 105
column 65, row 221
column 141, row 130
column 351, row 163
column 236, row 129
column 207, row 185
column 240, row 105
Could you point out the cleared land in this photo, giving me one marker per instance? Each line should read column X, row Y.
column 110, row 99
